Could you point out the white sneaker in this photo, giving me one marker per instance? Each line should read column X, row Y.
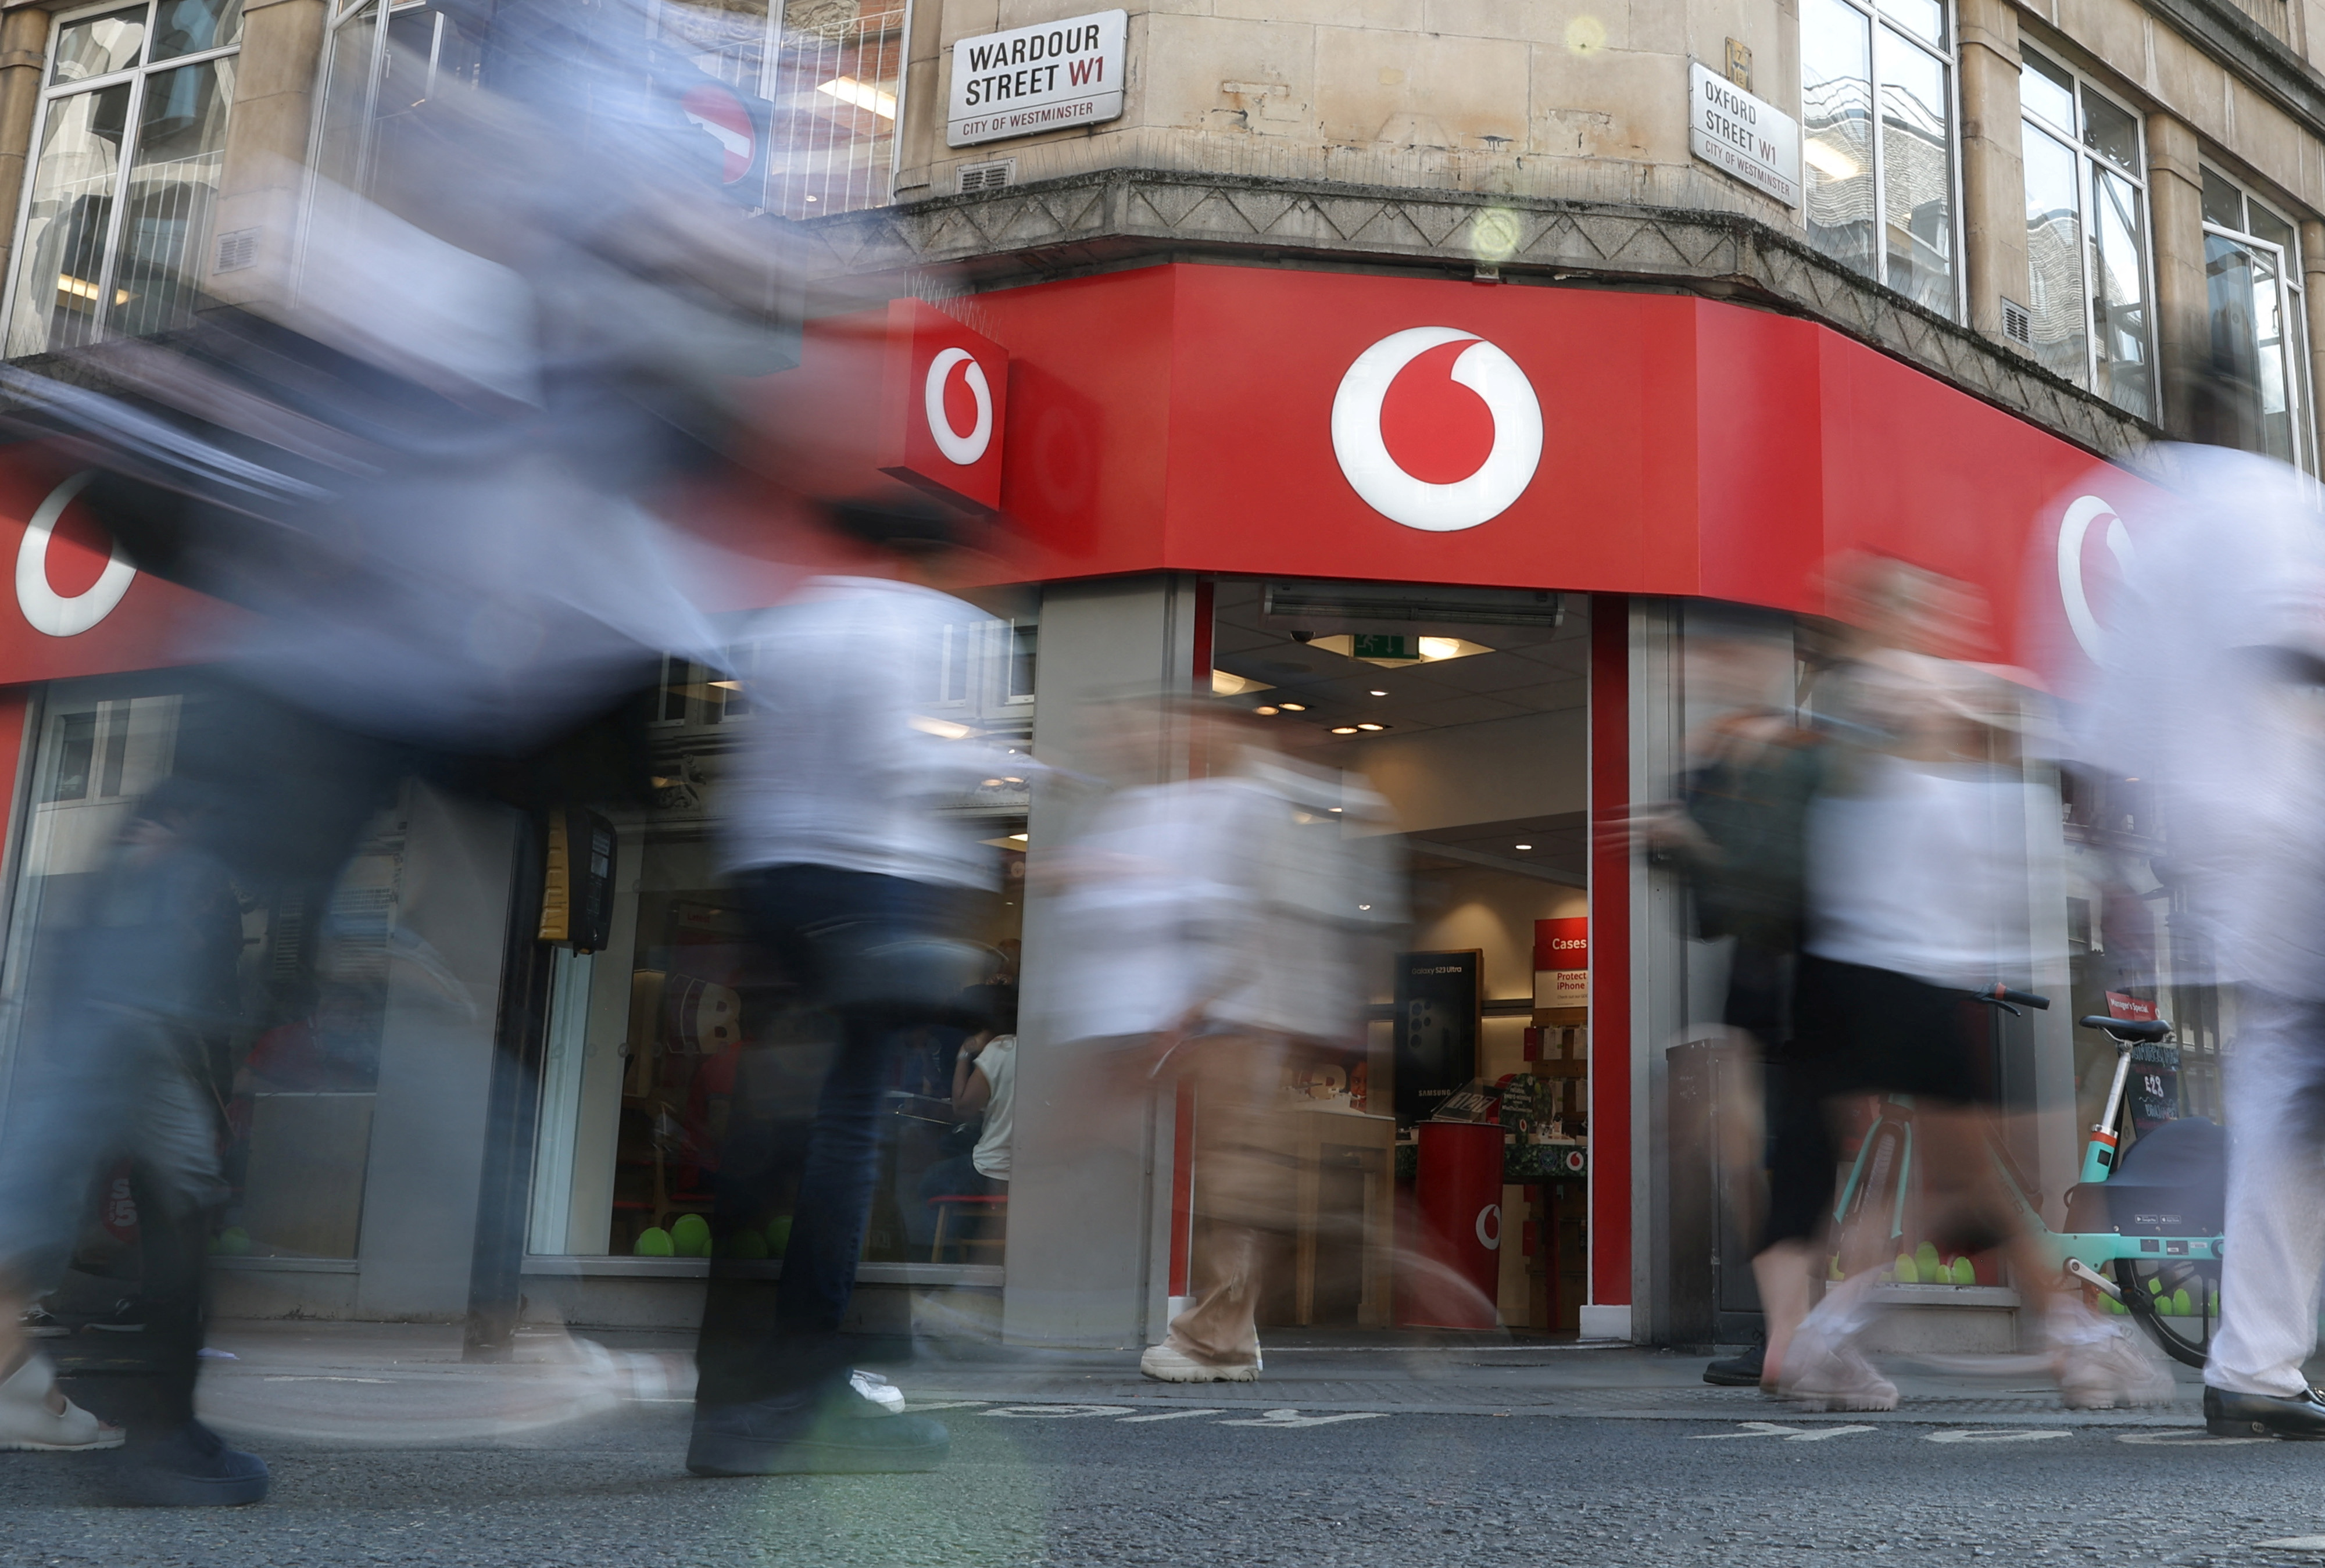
column 1166, row 1364
column 2117, row 1372
column 1824, row 1371
column 886, row 1398
column 27, row 1425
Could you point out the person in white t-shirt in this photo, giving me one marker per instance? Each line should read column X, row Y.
column 984, row 1084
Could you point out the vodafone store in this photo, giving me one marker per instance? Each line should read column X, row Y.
column 1495, row 559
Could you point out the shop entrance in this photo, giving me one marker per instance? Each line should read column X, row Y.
column 1458, row 1142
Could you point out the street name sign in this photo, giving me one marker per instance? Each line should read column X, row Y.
column 1029, row 80
column 1743, row 135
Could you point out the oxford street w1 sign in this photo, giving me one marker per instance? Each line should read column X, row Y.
column 1748, row 137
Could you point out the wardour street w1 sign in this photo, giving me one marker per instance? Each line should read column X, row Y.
column 1748, row 137
column 1028, row 80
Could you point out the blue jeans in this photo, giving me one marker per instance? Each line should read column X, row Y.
column 812, row 922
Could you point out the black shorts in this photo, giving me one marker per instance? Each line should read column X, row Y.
column 1860, row 1030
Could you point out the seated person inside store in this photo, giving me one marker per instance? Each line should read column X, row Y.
column 984, row 1082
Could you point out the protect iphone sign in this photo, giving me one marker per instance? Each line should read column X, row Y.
column 1055, row 76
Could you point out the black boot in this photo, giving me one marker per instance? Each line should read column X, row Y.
column 190, row 1467
column 2299, row 1416
column 1742, row 1371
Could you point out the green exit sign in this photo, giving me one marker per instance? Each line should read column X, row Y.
column 1374, row 646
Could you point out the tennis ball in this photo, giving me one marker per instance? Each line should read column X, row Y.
column 1925, row 1259
column 690, row 1236
column 1965, row 1271
column 2156, row 1287
column 2181, row 1305
column 1907, row 1272
column 1832, row 1271
column 234, row 1241
column 749, row 1244
column 779, row 1235
column 2113, row 1306
column 653, row 1242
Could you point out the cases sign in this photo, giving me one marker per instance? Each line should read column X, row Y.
column 1746, row 137
column 1029, row 80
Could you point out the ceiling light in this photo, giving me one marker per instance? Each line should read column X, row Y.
column 1379, row 693
column 1522, row 847
column 1830, row 160
column 1012, row 780
column 1226, row 684
column 1371, row 726
column 990, row 784
column 1332, row 808
column 1344, row 729
column 1017, row 838
column 1265, row 711
column 863, row 95
column 942, row 729
column 1293, row 707
column 726, row 686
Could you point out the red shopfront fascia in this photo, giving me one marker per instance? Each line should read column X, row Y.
column 1247, row 421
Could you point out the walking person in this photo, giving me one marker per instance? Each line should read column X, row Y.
column 854, row 886
column 1916, row 847
column 2208, row 690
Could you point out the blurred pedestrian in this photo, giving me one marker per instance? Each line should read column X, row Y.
column 2209, row 690
column 1204, row 932
column 855, row 883
column 1916, row 898
column 1739, row 831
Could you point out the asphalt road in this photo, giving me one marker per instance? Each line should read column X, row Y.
column 1114, row 1485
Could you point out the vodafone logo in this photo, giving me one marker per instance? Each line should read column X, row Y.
column 49, row 612
column 722, row 114
column 1385, row 485
column 957, row 447
column 2074, row 594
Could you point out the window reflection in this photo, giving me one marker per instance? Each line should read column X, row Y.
column 1836, row 131
column 1917, row 175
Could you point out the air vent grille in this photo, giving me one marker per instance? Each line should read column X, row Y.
column 238, row 249
column 2017, row 324
column 990, row 176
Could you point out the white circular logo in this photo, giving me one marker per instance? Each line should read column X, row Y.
column 2073, row 596
column 956, row 447
column 49, row 611
column 1396, row 495
column 1491, row 1243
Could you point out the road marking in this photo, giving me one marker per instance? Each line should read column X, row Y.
column 1279, row 1420
column 915, row 1406
column 2185, row 1439
column 1060, row 1412
column 2016, row 1434
column 2296, row 1542
column 320, row 1378
column 1169, row 1416
column 1775, row 1429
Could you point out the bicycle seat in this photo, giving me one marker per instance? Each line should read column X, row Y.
column 2132, row 1031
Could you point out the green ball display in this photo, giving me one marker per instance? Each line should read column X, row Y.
column 690, row 1236
column 1925, row 1259
column 750, row 1244
column 1908, row 1272
column 234, row 1241
column 779, row 1235
column 2113, row 1306
column 1965, row 1271
column 2181, row 1305
column 653, row 1242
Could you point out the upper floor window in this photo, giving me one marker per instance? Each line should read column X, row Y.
column 114, row 234
column 2087, row 235
column 1877, row 129
column 832, row 74
column 383, row 62
column 2258, row 386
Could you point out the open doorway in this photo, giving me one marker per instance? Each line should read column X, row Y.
column 1468, row 710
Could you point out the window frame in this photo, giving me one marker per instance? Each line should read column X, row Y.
column 52, row 93
column 2088, row 159
column 1878, row 15
column 2293, row 305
